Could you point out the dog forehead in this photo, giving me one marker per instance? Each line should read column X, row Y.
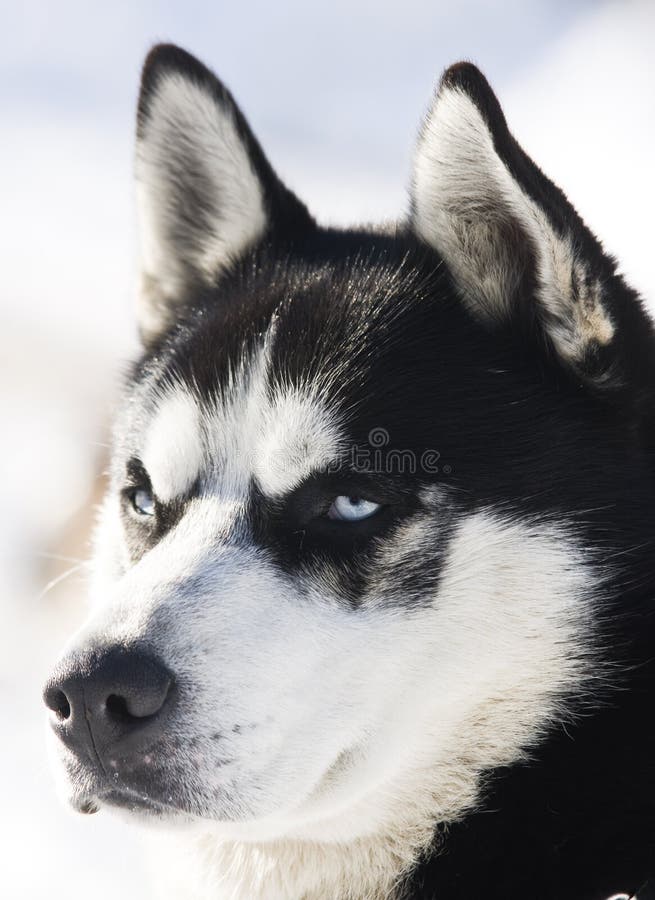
column 273, row 433
column 240, row 396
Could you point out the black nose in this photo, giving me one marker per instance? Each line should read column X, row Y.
column 109, row 704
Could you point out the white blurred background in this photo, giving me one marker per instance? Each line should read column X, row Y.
column 334, row 91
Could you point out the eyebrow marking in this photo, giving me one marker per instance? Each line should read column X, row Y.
column 299, row 437
column 174, row 446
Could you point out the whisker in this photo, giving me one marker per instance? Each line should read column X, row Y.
column 55, row 581
column 59, row 558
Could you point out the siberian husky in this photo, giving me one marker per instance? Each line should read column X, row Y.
column 374, row 595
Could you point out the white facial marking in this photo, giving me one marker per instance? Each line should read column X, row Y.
column 277, row 437
column 174, row 447
column 299, row 436
column 351, row 733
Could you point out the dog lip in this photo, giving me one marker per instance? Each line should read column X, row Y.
column 88, row 807
column 140, row 790
column 86, row 804
column 141, row 785
column 93, row 787
column 135, row 801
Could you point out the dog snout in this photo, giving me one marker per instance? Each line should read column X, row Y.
column 111, row 704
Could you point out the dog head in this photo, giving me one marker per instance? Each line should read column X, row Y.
column 352, row 555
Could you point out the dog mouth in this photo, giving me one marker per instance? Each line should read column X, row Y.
column 159, row 786
column 130, row 801
column 147, row 791
column 121, row 797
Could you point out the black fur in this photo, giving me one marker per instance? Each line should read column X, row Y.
column 515, row 430
column 629, row 358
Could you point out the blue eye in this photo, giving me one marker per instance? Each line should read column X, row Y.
column 352, row 509
column 143, row 503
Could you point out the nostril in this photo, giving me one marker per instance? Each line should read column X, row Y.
column 140, row 702
column 57, row 701
column 117, row 708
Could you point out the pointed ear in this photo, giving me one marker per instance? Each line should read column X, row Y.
column 206, row 194
column 516, row 248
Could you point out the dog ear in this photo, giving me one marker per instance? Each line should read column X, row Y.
column 518, row 252
column 206, row 193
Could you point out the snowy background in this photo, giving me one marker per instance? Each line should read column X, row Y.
column 335, row 92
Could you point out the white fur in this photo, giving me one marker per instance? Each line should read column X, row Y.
column 278, row 439
column 321, row 745
column 315, row 746
column 173, row 451
column 345, row 736
column 297, row 436
column 190, row 150
column 345, row 775
column 466, row 202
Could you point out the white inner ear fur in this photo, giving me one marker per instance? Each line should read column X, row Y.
column 470, row 208
column 199, row 201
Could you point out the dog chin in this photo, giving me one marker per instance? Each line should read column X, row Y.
column 158, row 792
